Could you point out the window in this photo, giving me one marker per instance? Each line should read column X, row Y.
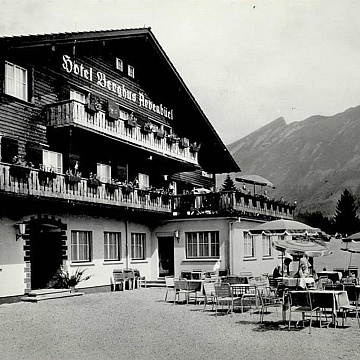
column 104, row 172
column 137, row 251
column 52, row 161
column 119, row 64
column 204, row 244
column 81, row 245
column 112, row 246
column 16, row 81
column 266, row 245
column 78, row 96
column 131, row 71
column 124, row 115
column 144, row 182
column 248, row 245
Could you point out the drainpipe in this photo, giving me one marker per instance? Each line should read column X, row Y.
column 127, row 243
column 231, row 247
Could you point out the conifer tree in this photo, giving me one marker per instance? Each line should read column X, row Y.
column 346, row 221
column 228, row 184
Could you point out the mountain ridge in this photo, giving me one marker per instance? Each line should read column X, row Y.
column 312, row 160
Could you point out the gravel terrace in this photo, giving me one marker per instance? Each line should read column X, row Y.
column 138, row 324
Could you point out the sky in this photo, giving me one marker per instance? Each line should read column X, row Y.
column 247, row 62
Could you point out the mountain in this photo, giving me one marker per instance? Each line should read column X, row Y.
column 312, row 161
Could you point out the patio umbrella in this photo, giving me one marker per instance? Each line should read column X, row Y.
column 353, row 237
column 304, row 245
column 284, row 227
column 255, row 180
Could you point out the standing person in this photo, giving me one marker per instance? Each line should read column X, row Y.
column 279, row 271
column 304, row 264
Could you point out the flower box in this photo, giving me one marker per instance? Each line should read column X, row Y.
column 172, row 139
column 146, row 128
column 194, row 147
column 94, row 183
column 111, row 187
column 142, row 192
column 130, row 123
column 184, row 143
column 45, row 176
column 19, row 171
column 127, row 189
column 159, row 134
column 72, row 179
column 154, row 195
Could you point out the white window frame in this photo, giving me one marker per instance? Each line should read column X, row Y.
column 77, row 96
column 81, row 246
column 123, row 115
column 16, row 81
column 52, row 161
column 131, row 71
column 249, row 248
column 266, row 245
column 119, row 64
column 144, row 181
column 112, row 246
column 202, row 245
column 137, row 246
column 104, row 172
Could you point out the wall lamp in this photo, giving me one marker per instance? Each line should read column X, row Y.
column 177, row 235
column 21, row 230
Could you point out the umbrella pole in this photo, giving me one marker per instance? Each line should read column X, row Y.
column 282, row 263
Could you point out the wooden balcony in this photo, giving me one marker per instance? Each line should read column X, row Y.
column 231, row 203
column 71, row 112
column 28, row 182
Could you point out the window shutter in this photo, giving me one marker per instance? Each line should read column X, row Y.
column 9, row 149
column 34, row 153
column 113, row 110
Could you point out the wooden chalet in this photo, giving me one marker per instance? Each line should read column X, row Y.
column 101, row 144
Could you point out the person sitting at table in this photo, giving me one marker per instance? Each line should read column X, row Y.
column 278, row 270
column 305, row 261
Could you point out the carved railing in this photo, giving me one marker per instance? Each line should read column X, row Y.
column 25, row 181
column 227, row 203
column 72, row 112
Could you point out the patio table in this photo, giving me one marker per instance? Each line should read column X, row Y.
column 334, row 276
column 298, row 282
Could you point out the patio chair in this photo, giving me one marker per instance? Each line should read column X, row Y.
column 185, row 287
column 224, row 295
column 129, row 275
column 249, row 297
column 209, row 291
column 139, row 280
column 118, row 279
column 267, row 298
column 347, row 308
column 169, row 283
column 301, row 302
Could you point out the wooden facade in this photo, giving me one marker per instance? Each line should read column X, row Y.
column 99, row 139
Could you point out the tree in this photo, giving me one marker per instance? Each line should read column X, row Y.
column 316, row 220
column 346, row 221
column 228, row 184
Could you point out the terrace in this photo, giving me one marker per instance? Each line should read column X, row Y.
column 25, row 181
column 73, row 113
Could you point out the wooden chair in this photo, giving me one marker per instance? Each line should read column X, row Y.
column 118, row 279
column 224, row 295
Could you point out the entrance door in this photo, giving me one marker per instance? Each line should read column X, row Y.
column 166, row 255
column 45, row 254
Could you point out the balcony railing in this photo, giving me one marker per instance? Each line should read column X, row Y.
column 71, row 112
column 231, row 203
column 25, row 181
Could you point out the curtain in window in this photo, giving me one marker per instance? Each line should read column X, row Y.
column 80, row 246
column 111, row 246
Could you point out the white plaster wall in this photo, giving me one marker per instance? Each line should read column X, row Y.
column 12, row 264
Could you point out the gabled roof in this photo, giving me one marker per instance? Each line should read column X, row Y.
column 214, row 156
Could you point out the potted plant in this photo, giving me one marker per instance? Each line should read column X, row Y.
column 44, row 175
column 112, row 186
column 64, row 280
column 195, row 147
column 19, row 168
column 131, row 122
column 159, row 133
column 93, row 180
column 147, row 128
column 72, row 178
column 184, row 142
column 172, row 138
